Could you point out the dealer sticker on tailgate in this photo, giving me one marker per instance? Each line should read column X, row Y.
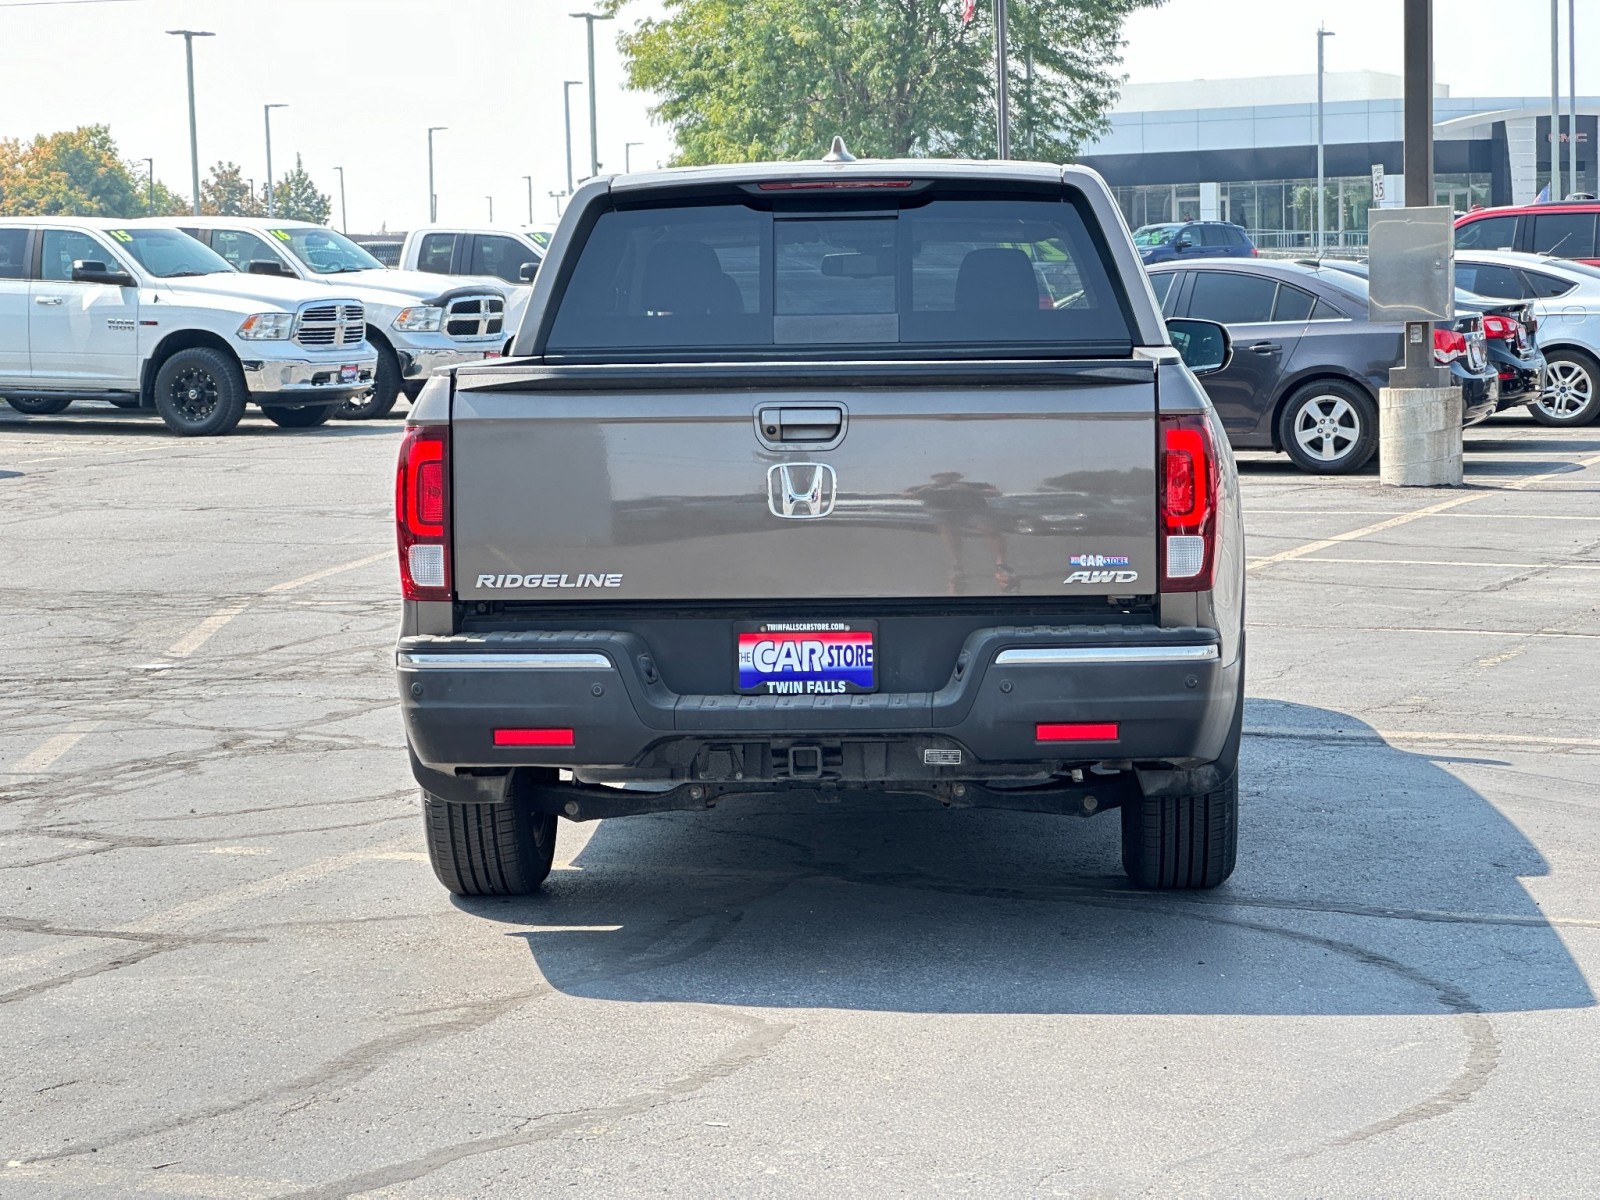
column 807, row 658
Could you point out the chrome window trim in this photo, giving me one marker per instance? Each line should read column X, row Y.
column 1050, row 656
column 422, row 660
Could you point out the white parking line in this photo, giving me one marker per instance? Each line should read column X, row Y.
column 44, row 755
column 1389, row 512
column 316, row 576
column 203, row 632
column 1405, row 519
column 205, row 906
column 1429, row 562
column 1446, row 631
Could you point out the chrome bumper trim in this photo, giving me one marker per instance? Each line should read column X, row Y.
column 426, row 362
column 277, row 375
column 553, row 661
column 1056, row 656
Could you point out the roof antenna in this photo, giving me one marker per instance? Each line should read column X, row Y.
column 837, row 153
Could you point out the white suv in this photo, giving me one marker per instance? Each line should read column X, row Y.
column 104, row 309
column 418, row 324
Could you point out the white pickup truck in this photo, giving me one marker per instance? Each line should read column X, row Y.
column 418, row 324
column 103, row 309
column 508, row 252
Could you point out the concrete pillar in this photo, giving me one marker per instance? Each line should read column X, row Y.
column 1419, row 437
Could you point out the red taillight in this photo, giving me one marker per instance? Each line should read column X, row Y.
column 1254, row 253
column 1189, row 482
column 1499, row 327
column 422, row 513
column 1448, row 346
column 1183, row 462
column 533, row 737
column 1104, row 731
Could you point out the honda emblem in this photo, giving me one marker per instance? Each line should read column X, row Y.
column 801, row 490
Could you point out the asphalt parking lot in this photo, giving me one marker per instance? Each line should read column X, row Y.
column 226, row 969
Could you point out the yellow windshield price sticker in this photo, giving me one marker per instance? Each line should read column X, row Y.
column 122, row 235
column 281, row 234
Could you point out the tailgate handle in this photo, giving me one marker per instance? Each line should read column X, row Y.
column 803, row 423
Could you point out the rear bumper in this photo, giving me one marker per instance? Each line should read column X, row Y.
column 1167, row 692
column 1519, row 383
column 1480, row 393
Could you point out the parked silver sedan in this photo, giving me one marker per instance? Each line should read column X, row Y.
column 1566, row 300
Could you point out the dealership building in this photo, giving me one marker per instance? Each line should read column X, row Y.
column 1245, row 150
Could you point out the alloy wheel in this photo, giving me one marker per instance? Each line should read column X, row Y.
column 1568, row 388
column 194, row 393
column 1326, row 428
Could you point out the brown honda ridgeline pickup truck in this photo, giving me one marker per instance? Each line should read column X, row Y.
column 830, row 477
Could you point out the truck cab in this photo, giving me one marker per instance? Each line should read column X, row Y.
column 145, row 318
column 510, row 253
column 419, row 324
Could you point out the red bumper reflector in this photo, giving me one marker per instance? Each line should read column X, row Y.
column 1102, row 732
column 533, row 737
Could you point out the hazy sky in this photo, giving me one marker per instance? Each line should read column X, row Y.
column 365, row 78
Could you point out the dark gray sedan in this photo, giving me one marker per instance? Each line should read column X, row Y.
column 1307, row 363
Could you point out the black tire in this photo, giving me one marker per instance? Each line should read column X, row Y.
column 123, row 401
column 1329, row 427
column 39, row 406
column 1182, row 841
column 489, row 849
column 300, row 418
column 200, row 392
column 385, row 391
column 1571, row 395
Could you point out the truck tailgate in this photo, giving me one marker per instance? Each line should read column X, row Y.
column 787, row 482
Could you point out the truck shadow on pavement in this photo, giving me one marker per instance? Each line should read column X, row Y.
column 1371, row 881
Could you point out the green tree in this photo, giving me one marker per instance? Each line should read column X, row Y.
column 76, row 172
column 296, row 197
column 753, row 79
column 226, row 193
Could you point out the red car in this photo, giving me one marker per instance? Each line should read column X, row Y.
column 1564, row 230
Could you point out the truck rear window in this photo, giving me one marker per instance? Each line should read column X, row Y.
column 935, row 272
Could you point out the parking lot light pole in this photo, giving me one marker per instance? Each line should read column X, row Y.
column 188, row 36
column 1555, row 100
column 556, row 196
column 344, row 213
column 528, row 179
column 1419, row 413
column 566, row 95
column 266, row 112
column 1572, row 96
column 1002, row 102
column 589, row 19
column 1322, row 220
column 490, row 199
column 433, row 200
column 150, row 185
column 627, row 156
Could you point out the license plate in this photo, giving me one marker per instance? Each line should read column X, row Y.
column 349, row 374
column 491, row 354
column 807, row 658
